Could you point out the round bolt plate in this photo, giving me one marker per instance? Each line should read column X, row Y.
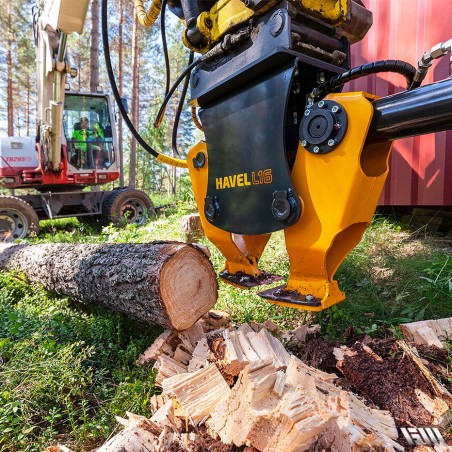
column 323, row 127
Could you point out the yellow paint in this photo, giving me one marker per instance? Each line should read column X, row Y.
column 334, row 11
column 224, row 15
column 340, row 191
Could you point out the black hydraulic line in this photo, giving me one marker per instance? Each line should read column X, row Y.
column 114, row 86
column 180, row 106
column 415, row 112
column 397, row 66
column 165, row 46
column 181, row 77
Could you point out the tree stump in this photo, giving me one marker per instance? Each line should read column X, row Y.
column 192, row 230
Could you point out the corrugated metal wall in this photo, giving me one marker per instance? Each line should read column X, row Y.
column 421, row 167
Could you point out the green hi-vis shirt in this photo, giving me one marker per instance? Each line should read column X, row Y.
column 81, row 136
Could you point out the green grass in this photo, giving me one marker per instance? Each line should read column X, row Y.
column 67, row 369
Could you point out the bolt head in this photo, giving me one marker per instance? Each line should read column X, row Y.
column 309, row 298
column 335, row 109
column 331, row 142
column 321, row 104
column 316, row 150
column 307, row 112
column 304, row 143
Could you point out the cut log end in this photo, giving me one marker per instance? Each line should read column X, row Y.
column 187, row 280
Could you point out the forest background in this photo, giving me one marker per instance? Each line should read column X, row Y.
column 138, row 63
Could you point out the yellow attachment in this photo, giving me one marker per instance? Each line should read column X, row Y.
column 242, row 252
column 223, row 16
column 172, row 161
column 340, row 191
column 148, row 18
column 334, row 11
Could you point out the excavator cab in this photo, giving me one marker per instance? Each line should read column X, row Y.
column 87, row 124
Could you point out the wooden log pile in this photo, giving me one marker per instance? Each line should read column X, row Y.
column 246, row 390
column 227, row 389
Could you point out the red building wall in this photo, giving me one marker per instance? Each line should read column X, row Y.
column 421, row 167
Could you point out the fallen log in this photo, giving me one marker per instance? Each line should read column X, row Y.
column 168, row 283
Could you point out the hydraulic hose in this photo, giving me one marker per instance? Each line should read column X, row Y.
column 397, row 66
column 185, row 73
column 180, row 107
column 160, row 157
column 165, row 47
column 147, row 18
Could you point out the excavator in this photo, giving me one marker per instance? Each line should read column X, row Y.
column 75, row 146
column 285, row 149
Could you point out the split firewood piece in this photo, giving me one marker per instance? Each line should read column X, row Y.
column 157, row 401
column 200, row 357
column 251, row 396
column 296, row 427
column 190, row 337
column 182, row 355
column 412, row 394
column 280, row 383
column 165, row 344
column 142, row 436
column 297, row 371
column 279, row 349
column 316, row 408
column 369, row 427
column 199, row 392
column 167, row 367
column 268, row 325
column 215, row 320
column 428, row 332
column 344, row 434
column 165, row 416
column 227, row 353
column 296, row 335
column 268, row 347
column 132, row 419
column 168, row 283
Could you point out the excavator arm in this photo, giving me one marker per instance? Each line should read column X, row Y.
column 55, row 20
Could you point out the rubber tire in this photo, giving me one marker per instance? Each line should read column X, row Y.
column 11, row 203
column 119, row 199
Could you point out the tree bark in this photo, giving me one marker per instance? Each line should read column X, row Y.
column 168, row 283
column 9, row 65
column 120, row 84
column 94, row 50
column 135, row 104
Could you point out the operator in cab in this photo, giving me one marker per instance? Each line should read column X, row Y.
column 85, row 143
